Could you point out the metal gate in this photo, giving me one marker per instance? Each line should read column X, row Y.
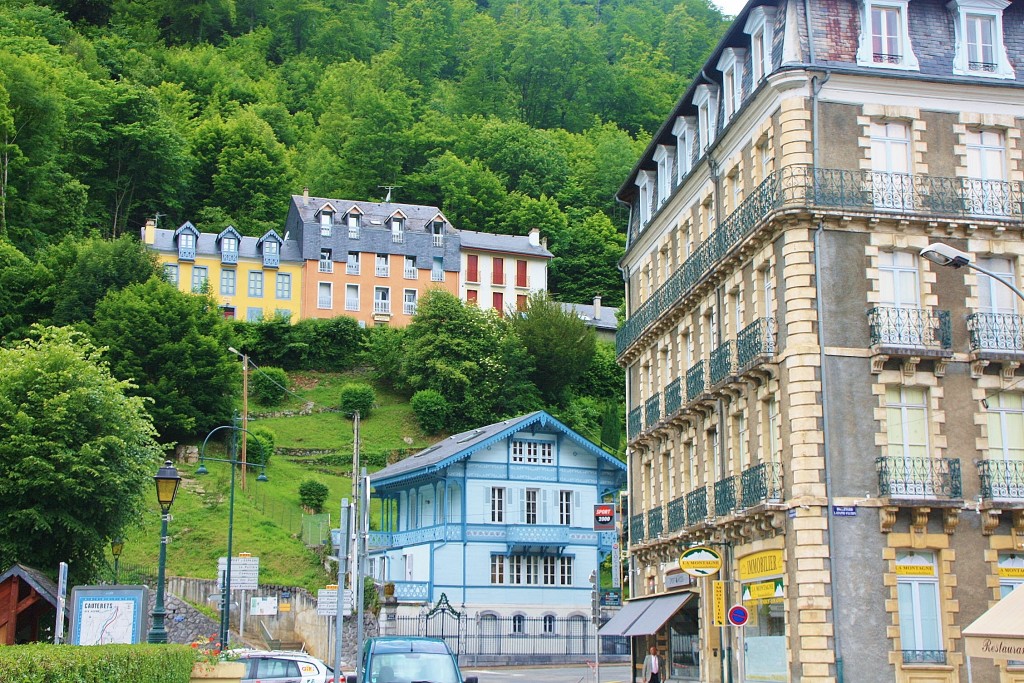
column 445, row 622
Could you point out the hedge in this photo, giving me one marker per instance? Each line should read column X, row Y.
column 45, row 663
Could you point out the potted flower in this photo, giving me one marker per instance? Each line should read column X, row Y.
column 211, row 664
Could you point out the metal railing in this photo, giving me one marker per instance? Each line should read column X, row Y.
column 803, row 186
column 677, row 513
column 919, row 477
column 723, row 365
column 409, row 308
column 725, row 496
column 636, row 528
column 924, row 656
column 1001, row 479
column 652, row 411
column 755, row 343
column 325, row 267
column 673, row 397
column 696, row 380
column 894, row 326
column 382, row 307
column 697, row 505
column 655, row 522
column 323, row 302
column 409, row 273
column 398, row 237
column 761, row 483
column 437, row 276
column 382, row 271
column 353, row 232
column 438, row 240
column 351, row 304
column 229, row 257
column 1000, row 332
column 352, row 269
column 271, row 260
column 634, row 422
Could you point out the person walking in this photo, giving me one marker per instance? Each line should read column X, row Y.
column 652, row 667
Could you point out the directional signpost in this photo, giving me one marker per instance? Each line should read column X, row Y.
column 245, row 573
column 327, row 602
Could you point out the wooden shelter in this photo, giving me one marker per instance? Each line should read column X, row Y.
column 28, row 606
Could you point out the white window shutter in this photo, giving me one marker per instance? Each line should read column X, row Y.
column 522, row 506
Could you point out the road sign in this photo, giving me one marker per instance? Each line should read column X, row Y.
column 245, row 573
column 327, row 602
column 700, row 561
column 738, row 615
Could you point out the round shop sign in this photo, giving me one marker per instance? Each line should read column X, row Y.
column 700, row 561
column 738, row 615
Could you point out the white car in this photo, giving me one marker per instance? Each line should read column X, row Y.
column 279, row 666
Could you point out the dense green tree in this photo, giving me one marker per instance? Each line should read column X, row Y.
column 76, row 454
column 560, row 343
column 586, row 261
column 174, row 346
column 21, row 284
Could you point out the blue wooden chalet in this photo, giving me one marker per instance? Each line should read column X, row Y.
column 499, row 519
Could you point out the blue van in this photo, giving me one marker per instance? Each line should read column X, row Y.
column 407, row 659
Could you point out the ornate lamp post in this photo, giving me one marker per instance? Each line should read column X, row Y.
column 225, row 605
column 167, row 481
column 116, row 547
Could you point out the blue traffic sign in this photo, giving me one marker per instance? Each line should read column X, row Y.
column 738, row 615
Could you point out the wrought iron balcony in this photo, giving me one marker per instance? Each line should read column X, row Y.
column 677, row 513
column 696, row 380
column 723, row 363
column 655, row 522
column 996, row 332
column 919, row 477
column 924, row 656
column 755, row 343
column 893, row 327
column 636, row 528
column 725, row 496
column 673, row 397
column 697, row 505
column 761, row 483
column 652, row 411
column 1001, row 479
column 634, row 422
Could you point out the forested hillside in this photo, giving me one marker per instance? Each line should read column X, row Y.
column 508, row 115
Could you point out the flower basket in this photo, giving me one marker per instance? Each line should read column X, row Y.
column 227, row 672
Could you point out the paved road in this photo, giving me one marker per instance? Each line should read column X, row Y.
column 569, row 673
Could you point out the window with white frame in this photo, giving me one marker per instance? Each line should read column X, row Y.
column 978, row 31
column 531, row 506
column 771, row 428
column 227, row 282
column 759, row 26
column 683, row 129
column 518, row 624
column 1005, row 456
column 497, row 569
column 741, row 440
column 645, row 181
column 409, row 301
column 229, row 245
column 199, row 274
column 920, row 616
column 515, row 569
column 497, row 505
column 705, row 98
column 731, row 66
column 256, row 283
column 898, row 317
column 994, row 296
column 549, row 624
column 532, row 452
column 987, row 192
column 382, row 300
column 382, row 265
column 892, row 184
column 326, row 223
column 352, row 221
column 565, row 567
column 565, row 501
column 326, row 263
column 409, row 269
column 768, row 290
column 352, row 263
column 532, row 570
column 910, row 472
column 351, row 297
column 283, row 286
column 663, row 158
column 324, row 295
column 884, row 36
column 764, row 157
column 550, row 572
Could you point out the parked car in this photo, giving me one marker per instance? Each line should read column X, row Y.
column 276, row 666
column 398, row 659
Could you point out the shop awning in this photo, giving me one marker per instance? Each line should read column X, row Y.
column 644, row 617
column 999, row 632
column 657, row 613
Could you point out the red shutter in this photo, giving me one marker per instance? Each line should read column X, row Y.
column 472, row 273
column 499, row 271
column 471, row 296
column 520, row 273
column 520, row 302
column 499, row 302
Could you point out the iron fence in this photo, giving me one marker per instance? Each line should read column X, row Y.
column 725, row 496
column 1001, row 332
column 755, row 343
column 673, row 397
column 634, row 422
column 696, row 506
column 652, row 411
column 696, row 380
column 677, row 513
column 723, row 363
column 1003, row 479
column 655, row 521
column 919, row 477
column 761, row 483
column 894, row 326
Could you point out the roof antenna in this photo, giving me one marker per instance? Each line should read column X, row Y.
column 156, row 219
column 387, row 199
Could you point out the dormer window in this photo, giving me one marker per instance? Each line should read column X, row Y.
column 397, row 229
column 759, row 27
column 706, row 99
column 645, row 181
column 684, row 131
column 352, row 221
column 663, row 156
column 978, row 26
column 437, row 231
column 229, row 249
column 731, row 66
column 326, row 223
column 270, row 245
column 884, row 36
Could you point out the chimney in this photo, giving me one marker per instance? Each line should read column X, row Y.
column 149, row 232
column 535, row 237
column 597, row 307
column 305, row 196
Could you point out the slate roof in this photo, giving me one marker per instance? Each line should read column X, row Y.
column 607, row 321
column 374, row 213
column 460, row 446
column 41, row 583
column 206, row 245
column 512, row 244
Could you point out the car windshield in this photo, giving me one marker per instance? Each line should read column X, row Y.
column 414, row 667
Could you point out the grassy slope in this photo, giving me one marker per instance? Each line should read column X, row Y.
column 267, row 513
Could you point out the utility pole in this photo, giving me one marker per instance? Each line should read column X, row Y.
column 245, row 413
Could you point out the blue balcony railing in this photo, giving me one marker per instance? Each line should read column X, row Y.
column 412, row 591
column 996, row 332
column 1001, row 479
column 937, row 478
column 652, row 411
column 229, row 257
column 186, row 253
column 910, row 328
column 271, row 260
column 634, row 422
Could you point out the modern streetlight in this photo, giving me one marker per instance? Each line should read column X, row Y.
column 225, row 605
column 116, row 547
column 945, row 255
column 167, row 481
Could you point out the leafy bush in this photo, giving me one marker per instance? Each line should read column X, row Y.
column 431, row 410
column 313, row 495
column 259, row 445
column 46, row 663
column 268, row 385
column 359, row 397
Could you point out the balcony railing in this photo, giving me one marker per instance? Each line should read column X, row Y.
column 919, row 477
column 323, row 302
column 382, row 271
column 352, row 269
column 382, row 307
column 673, row 397
column 398, row 237
column 655, row 522
column 996, row 332
column 761, row 483
column 438, row 240
column 824, row 188
column 924, row 656
column 696, row 380
column 911, row 328
column 652, row 411
column 409, row 273
column 186, row 253
column 353, row 232
column 325, row 267
column 677, row 513
column 725, row 496
column 437, row 276
column 755, row 343
column 351, row 304
column 634, row 422
column 697, row 505
column 636, row 528
column 271, row 260
column 723, row 363
column 229, row 257
column 1001, row 479
column 409, row 308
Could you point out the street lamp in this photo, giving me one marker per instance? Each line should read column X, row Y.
column 116, row 547
column 945, row 255
column 245, row 402
column 225, row 605
column 167, row 481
